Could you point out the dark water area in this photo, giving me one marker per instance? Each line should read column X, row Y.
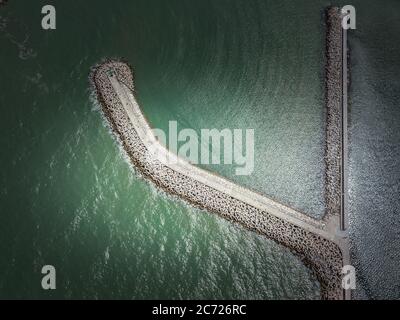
column 374, row 210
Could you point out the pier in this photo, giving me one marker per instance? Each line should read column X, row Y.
column 321, row 244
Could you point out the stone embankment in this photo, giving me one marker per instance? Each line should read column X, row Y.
column 333, row 101
column 318, row 243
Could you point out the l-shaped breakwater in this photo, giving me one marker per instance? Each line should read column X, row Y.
column 318, row 242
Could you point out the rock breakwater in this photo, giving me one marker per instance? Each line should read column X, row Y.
column 315, row 242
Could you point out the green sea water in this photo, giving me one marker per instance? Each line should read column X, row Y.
column 69, row 198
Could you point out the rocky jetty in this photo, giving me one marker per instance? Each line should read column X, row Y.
column 320, row 251
column 333, row 101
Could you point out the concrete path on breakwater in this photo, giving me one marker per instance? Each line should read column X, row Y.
column 326, row 229
column 318, row 243
column 344, row 142
column 322, row 244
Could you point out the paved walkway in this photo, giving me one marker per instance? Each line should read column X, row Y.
column 326, row 229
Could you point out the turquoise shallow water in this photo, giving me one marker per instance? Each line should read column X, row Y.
column 69, row 198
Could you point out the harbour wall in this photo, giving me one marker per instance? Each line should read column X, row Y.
column 333, row 102
column 317, row 242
